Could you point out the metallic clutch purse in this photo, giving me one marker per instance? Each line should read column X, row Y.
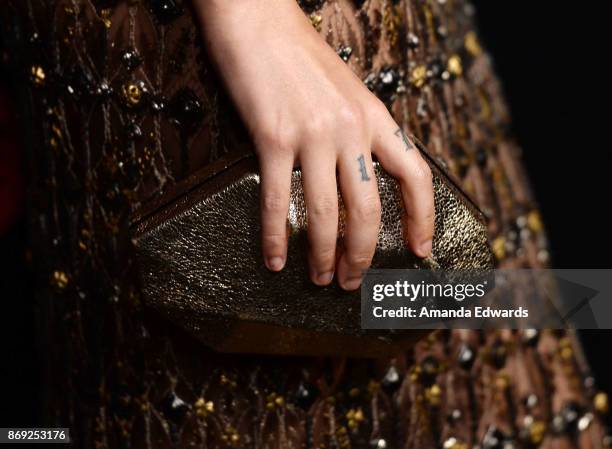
column 200, row 261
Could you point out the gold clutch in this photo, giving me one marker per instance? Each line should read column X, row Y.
column 199, row 256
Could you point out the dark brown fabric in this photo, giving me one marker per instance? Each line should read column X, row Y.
column 122, row 103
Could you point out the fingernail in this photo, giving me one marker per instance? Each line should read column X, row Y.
column 425, row 248
column 276, row 263
column 325, row 278
column 352, row 283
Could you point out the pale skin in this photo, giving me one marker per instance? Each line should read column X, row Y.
column 304, row 107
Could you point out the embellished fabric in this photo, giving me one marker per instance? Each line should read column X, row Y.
column 122, row 102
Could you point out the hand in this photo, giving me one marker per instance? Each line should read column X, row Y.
column 303, row 105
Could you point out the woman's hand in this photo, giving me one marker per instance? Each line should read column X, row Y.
column 302, row 104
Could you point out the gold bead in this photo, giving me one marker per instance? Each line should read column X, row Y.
column 600, row 402
column 316, row 20
column 534, row 221
column 59, row 279
column 499, row 247
column 132, row 94
column 471, row 44
column 373, row 387
column 433, row 394
column 38, row 75
column 203, row 407
column 106, row 14
column 537, row 430
column 502, row 381
column 418, row 76
column 454, row 443
column 454, row 65
column 566, row 353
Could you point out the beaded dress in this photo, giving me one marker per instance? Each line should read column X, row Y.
column 121, row 102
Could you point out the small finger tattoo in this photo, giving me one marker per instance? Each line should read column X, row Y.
column 407, row 143
column 362, row 168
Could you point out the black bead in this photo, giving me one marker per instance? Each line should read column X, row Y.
column 133, row 131
column 386, row 84
column 481, row 157
column 570, row 413
column 391, row 381
column 378, row 443
column 105, row 4
column 345, row 53
column 306, row 394
column 131, row 59
column 530, row 401
column 158, row 104
column 454, row 416
column 498, row 354
column 413, row 41
column 165, row 10
column 436, row 68
column 531, row 337
column 80, row 83
column 493, row 439
column 466, row 357
column 429, row 370
column 185, row 109
column 309, row 6
column 175, row 408
column 104, row 90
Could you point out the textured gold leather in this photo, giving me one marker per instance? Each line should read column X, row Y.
column 202, row 266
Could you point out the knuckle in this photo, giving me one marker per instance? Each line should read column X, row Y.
column 359, row 259
column 324, row 206
column 422, row 172
column 319, row 125
column 324, row 255
column 378, row 109
column 272, row 241
column 272, row 139
column 369, row 210
column 350, row 116
column 272, row 202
